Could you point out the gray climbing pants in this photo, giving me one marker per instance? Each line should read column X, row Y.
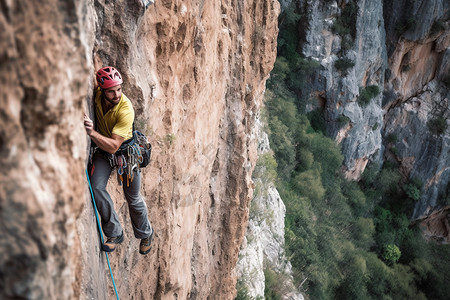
column 136, row 205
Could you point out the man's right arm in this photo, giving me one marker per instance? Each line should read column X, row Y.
column 110, row 145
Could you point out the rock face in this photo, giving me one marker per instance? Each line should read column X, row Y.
column 195, row 72
column 43, row 82
column 402, row 47
column 263, row 246
column 415, row 95
column 361, row 136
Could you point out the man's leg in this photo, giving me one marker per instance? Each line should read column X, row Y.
column 138, row 209
column 110, row 221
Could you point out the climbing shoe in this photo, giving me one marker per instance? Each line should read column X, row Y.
column 146, row 244
column 112, row 242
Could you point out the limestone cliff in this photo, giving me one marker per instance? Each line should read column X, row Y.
column 401, row 49
column 263, row 246
column 195, row 72
column 418, row 41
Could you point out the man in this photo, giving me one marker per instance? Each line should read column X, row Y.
column 115, row 116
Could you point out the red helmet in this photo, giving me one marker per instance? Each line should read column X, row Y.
column 108, row 77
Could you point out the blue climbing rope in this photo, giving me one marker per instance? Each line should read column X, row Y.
column 101, row 235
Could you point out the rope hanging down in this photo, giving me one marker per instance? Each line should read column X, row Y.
column 100, row 231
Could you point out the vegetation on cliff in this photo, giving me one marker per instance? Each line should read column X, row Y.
column 345, row 240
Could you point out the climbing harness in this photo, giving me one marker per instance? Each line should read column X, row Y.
column 101, row 235
column 132, row 155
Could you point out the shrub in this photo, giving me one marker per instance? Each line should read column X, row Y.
column 387, row 180
column 354, row 283
column 437, row 125
column 344, row 120
column 289, row 15
column 343, row 65
column 280, row 70
column 339, row 28
column 302, row 69
column 327, row 153
column 391, row 254
column 375, row 126
column 377, row 277
column 281, row 143
column 437, row 26
column 274, row 284
column 413, row 192
column 346, row 23
column 394, row 150
column 242, row 292
column 305, row 159
column 406, row 25
column 309, row 184
column 406, row 68
column 288, row 35
column 169, row 139
column 402, row 285
column 391, row 138
column 355, row 197
column 317, row 120
column 266, row 167
column 370, row 174
column 364, row 231
column 368, row 93
column 414, row 188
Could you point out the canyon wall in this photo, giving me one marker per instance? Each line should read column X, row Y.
column 416, row 95
column 195, row 72
column 398, row 48
column 401, row 49
column 263, row 247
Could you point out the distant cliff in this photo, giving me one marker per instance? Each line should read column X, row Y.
column 383, row 83
column 195, row 72
column 263, row 249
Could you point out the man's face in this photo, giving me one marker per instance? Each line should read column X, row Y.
column 113, row 94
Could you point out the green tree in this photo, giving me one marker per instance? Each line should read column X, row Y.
column 354, row 283
column 437, row 125
column 355, row 197
column 343, row 65
column 364, row 229
column 388, row 180
column 391, row 254
column 368, row 93
column 281, row 143
column 273, row 285
column 402, row 284
column 309, row 184
column 377, row 276
column 242, row 291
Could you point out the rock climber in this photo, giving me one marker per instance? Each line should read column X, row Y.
column 114, row 119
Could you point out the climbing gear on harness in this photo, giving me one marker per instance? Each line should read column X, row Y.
column 146, row 244
column 112, row 242
column 101, row 235
column 131, row 156
column 145, row 148
column 108, row 77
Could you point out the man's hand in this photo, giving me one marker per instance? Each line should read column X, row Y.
column 109, row 145
column 88, row 124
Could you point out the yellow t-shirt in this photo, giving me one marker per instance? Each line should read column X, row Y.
column 118, row 120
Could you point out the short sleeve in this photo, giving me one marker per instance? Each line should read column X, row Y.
column 124, row 125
